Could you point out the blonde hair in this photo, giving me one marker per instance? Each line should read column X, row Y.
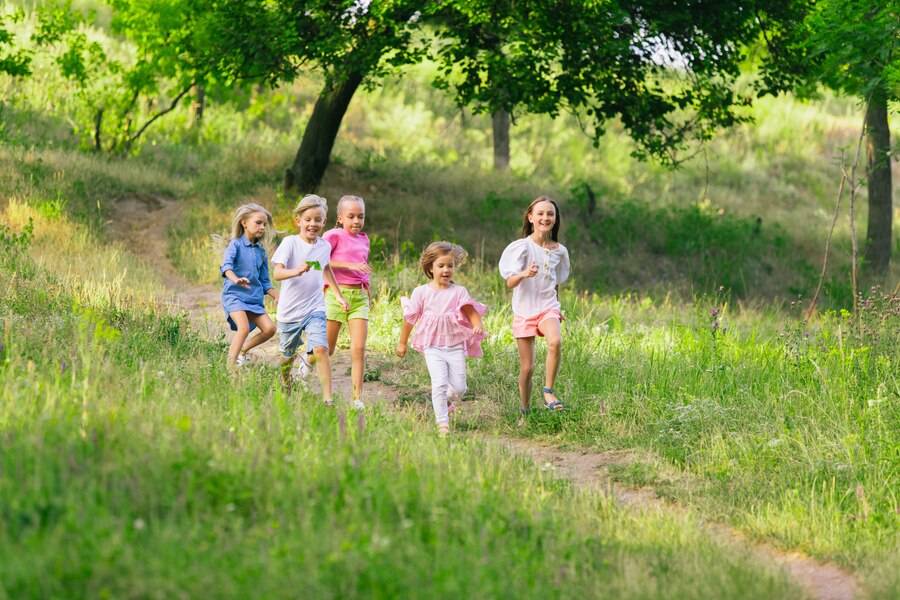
column 435, row 250
column 311, row 201
column 244, row 211
column 347, row 199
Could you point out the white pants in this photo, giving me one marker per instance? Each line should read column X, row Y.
column 447, row 368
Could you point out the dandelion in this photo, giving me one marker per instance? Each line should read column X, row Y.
column 138, row 524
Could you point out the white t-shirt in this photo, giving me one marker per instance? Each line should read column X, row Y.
column 299, row 296
column 535, row 294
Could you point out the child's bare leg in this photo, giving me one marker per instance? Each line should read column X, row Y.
column 266, row 331
column 323, row 367
column 332, row 330
column 243, row 329
column 359, row 331
column 526, row 369
column 551, row 330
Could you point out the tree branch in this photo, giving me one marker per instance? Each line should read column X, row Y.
column 130, row 141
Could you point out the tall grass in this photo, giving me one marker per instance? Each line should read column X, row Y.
column 131, row 465
column 790, row 432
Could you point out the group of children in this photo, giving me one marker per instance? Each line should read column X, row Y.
column 325, row 285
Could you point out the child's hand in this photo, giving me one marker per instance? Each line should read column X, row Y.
column 303, row 268
column 361, row 267
column 477, row 329
column 531, row 271
column 344, row 304
column 243, row 282
column 401, row 349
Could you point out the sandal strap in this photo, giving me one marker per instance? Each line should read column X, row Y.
column 548, row 390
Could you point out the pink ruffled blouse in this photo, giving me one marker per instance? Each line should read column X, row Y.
column 439, row 320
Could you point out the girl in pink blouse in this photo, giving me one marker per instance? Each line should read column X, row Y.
column 447, row 327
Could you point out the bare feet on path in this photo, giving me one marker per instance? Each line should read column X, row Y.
column 141, row 222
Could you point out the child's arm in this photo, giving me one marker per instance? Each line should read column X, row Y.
column 474, row 318
column 351, row 266
column 233, row 278
column 328, row 275
column 515, row 279
column 405, row 330
column 272, row 293
column 282, row 272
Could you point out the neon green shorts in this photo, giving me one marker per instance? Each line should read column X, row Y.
column 358, row 299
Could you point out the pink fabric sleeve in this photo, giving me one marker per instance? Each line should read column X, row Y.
column 473, row 344
column 412, row 306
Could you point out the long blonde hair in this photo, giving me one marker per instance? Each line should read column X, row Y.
column 244, row 211
column 435, row 250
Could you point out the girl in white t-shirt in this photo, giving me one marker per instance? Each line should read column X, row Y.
column 301, row 264
column 534, row 267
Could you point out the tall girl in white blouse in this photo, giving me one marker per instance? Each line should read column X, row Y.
column 534, row 266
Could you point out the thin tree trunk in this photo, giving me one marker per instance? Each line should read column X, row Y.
column 878, row 159
column 500, row 123
column 198, row 106
column 314, row 154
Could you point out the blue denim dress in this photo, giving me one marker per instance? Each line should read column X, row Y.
column 246, row 259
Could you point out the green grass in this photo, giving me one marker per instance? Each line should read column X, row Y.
column 131, row 465
column 790, row 433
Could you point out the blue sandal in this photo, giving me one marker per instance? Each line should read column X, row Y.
column 556, row 404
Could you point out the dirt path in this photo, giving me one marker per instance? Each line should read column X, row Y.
column 143, row 220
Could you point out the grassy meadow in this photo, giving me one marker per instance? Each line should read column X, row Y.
column 132, row 466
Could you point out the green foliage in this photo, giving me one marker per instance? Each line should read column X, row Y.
column 14, row 247
column 14, row 60
column 666, row 73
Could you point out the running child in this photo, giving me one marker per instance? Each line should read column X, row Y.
column 534, row 267
column 350, row 262
column 245, row 268
column 447, row 325
column 301, row 263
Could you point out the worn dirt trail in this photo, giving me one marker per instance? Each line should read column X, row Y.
column 142, row 220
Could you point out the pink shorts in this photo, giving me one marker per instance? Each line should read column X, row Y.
column 524, row 327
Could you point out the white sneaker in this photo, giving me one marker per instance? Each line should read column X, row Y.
column 241, row 360
column 358, row 405
column 302, row 368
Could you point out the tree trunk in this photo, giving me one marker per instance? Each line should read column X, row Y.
column 500, row 123
column 198, row 106
column 308, row 168
column 878, row 160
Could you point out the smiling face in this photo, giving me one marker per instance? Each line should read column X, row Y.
column 255, row 226
column 309, row 223
column 352, row 217
column 543, row 217
column 442, row 270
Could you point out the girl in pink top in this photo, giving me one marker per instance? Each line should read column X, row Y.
column 534, row 266
column 350, row 262
column 447, row 327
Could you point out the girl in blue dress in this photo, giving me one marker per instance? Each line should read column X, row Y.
column 245, row 268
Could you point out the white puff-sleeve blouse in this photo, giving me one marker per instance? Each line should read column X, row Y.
column 537, row 294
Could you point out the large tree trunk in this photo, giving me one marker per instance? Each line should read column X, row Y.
column 308, row 168
column 878, row 159
column 500, row 123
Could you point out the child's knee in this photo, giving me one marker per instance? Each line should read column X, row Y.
column 320, row 352
column 526, row 369
column 554, row 344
